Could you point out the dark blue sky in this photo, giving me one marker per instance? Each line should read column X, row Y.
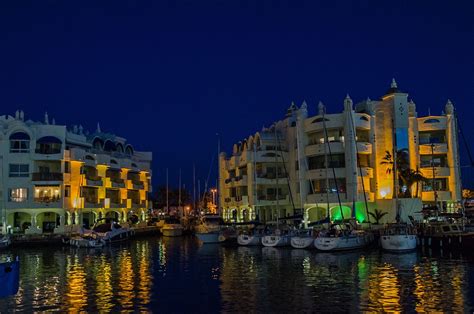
column 169, row 75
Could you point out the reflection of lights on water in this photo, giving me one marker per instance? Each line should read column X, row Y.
column 306, row 264
column 76, row 282
column 104, row 285
column 127, row 291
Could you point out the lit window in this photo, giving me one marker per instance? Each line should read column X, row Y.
column 18, row 195
column 47, row 193
column 19, row 143
column 19, row 170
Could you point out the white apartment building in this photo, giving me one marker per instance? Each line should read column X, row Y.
column 298, row 165
column 55, row 178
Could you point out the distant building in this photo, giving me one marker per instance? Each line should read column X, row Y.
column 281, row 171
column 55, row 178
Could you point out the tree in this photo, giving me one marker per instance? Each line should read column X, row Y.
column 406, row 176
column 377, row 215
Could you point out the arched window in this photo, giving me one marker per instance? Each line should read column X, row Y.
column 48, row 145
column 119, row 148
column 109, row 146
column 319, row 120
column 431, row 121
column 129, row 150
column 364, row 118
column 19, row 142
column 113, row 161
column 98, row 143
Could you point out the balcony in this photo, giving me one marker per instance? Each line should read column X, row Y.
column 321, row 173
column 45, row 202
column 115, row 203
column 430, row 196
column 321, row 149
column 91, row 202
column 241, row 180
column 364, row 148
column 436, row 123
column 271, row 156
column 439, row 148
column 333, row 121
column 242, row 200
column 361, row 122
column 138, row 204
column 271, row 178
column 265, row 200
column 47, row 176
column 438, row 172
column 117, row 183
column 92, row 181
column 323, row 198
column 135, row 185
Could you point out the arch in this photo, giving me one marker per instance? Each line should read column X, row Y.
column 364, row 118
column 109, row 146
column 112, row 214
column 336, row 212
column 129, row 150
column 119, row 147
column 316, row 214
column 98, row 143
column 89, row 157
column 48, row 145
column 47, row 221
column 431, row 121
column 19, row 135
column 113, row 161
column 134, row 165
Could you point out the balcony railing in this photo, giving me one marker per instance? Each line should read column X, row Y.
column 47, row 199
column 48, row 151
column 47, row 176
column 117, row 183
column 271, row 197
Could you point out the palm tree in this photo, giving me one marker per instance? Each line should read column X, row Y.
column 377, row 215
column 406, row 176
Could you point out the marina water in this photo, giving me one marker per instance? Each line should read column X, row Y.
column 180, row 275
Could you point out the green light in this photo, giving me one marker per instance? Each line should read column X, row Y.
column 347, row 211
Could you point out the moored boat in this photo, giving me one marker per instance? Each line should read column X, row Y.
column 398, row 237
column 110, row 231
column 303, row 239
column 172, row 227
column 446, row 235
column 89, row 241
column 341, row 238
column 5, row 241
column 209, row 229
column 279, row 238
column 10, row 277
column 250, row 237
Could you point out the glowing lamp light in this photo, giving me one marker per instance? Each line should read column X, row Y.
column 383, row 194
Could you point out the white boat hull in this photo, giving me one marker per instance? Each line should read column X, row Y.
column 342, row 243
column 248, row 240
column 210, row 237
column 302, row 242
column 275, row 240
column 88, row 243
column 398, row 242
column 172, row 232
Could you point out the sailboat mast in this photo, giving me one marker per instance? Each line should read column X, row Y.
column 332, row 167
column 179, row 190
column 300, row 170
column 255, row 180
column 167, row 193
column 276, row 173
column 395, row 171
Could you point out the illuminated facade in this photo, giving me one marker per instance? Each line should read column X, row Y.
column 56, row 179
column 282, row 169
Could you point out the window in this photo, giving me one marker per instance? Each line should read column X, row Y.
column 427, row 161
column 19, row 170
column 432, row 137
column 363, row 160
column 67, row 191
column 48, row 145
column 322, row 186
column 47, row 193
column 19, row 143
column 17, row 194
column 439, row 184
column 67, row 167
column 334, row 161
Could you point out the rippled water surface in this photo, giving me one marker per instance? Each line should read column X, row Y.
column 179, row 275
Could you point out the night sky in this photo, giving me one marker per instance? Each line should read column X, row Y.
column 169, row 75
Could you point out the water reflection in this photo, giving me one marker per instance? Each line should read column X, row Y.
column 179, row 275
